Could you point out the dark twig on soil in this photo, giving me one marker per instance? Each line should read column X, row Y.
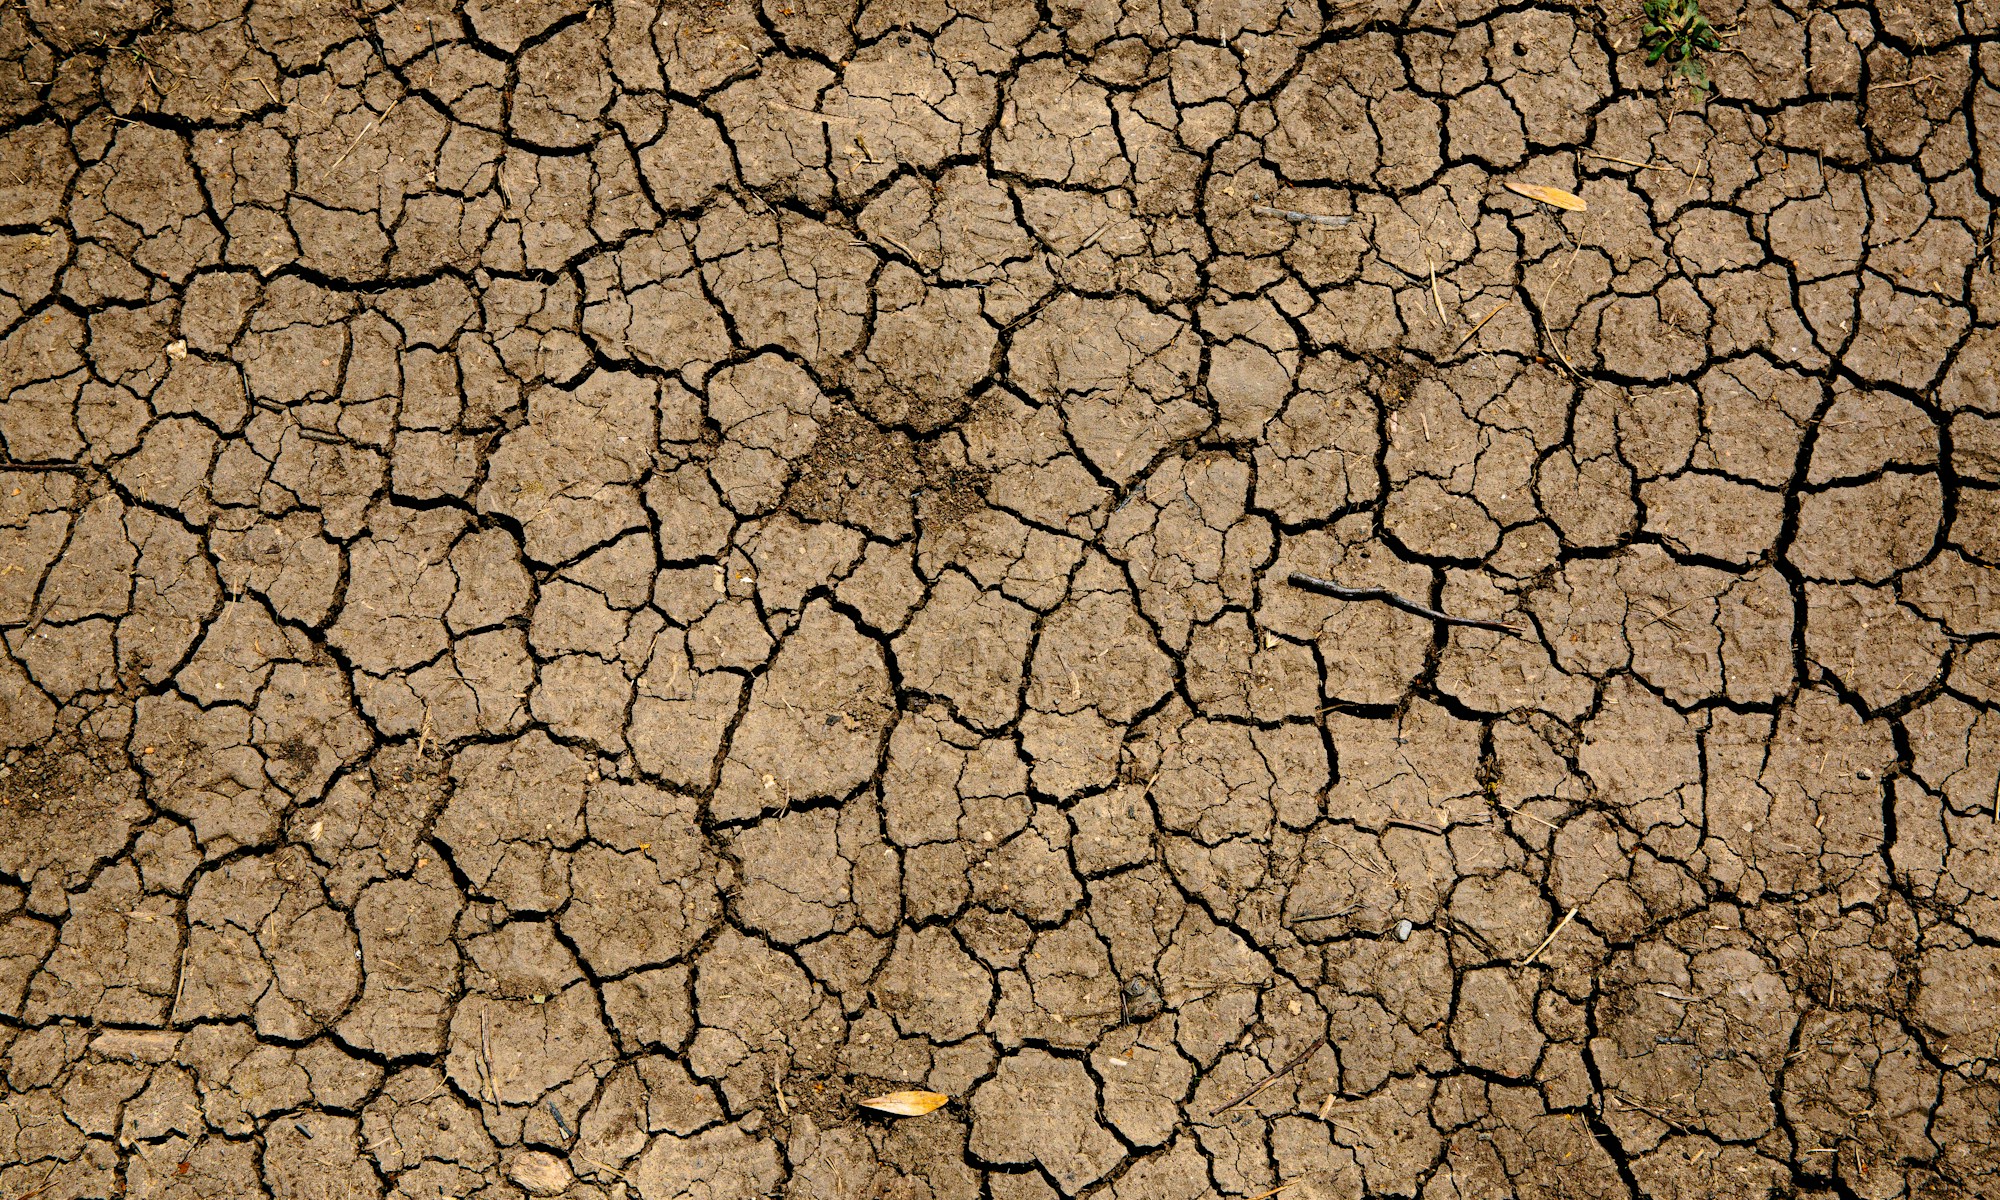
column 1328, row 587
column 1474, row 331
column 1268, row 1080
column 1304, row 218
column 45, row 1183
column 1419, row 826
column 1654, row 1113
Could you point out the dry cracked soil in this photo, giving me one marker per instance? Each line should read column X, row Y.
column 584, row 585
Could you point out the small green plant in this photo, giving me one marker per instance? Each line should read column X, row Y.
column 1676, row 31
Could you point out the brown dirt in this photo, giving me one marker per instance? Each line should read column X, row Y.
column 583, row 586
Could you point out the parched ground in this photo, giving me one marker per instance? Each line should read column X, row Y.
column 584, row 585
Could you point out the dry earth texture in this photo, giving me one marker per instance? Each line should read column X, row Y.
column 583, row 586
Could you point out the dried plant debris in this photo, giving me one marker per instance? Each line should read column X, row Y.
column 905, row 1104
column 1555, row 197
column 1302, row 217
column 588, row 591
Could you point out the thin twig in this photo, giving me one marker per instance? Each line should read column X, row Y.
column 486, row 1057
column 827, row 118
column 1560, row 926
column 357, row 139
column 51, row 1175
column 1436, row 302
column 180, row 986
column 1643, row 166
column 1474, row 331
column 1557, row 347
column 1883, row 87
column 1433, row 269
column 893, row 244
column 1265, row 1082
column 607, row 1168
column 1274, row 1191
column 1654, row 1113
column 1517, row 810
column 1391, row 599
column 1332, row 916
column 1421, row 826
column 1303, row 217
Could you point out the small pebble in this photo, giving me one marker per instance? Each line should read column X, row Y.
column 1864, row 774
column 1403, row 929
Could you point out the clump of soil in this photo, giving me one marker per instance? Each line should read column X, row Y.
column 859, row 473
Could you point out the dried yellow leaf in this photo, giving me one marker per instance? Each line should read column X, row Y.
column 906, row 1104
column 1548, row 195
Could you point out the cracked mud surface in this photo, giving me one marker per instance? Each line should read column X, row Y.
column 582, row 586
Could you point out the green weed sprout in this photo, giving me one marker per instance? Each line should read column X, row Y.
column 1676, row 31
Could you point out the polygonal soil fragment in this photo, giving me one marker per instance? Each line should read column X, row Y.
column 815, row 721
column 1040, row 1109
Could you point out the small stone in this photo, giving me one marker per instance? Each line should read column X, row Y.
column 1139, row 1000
column 539, row 1174
column 1403, row 929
